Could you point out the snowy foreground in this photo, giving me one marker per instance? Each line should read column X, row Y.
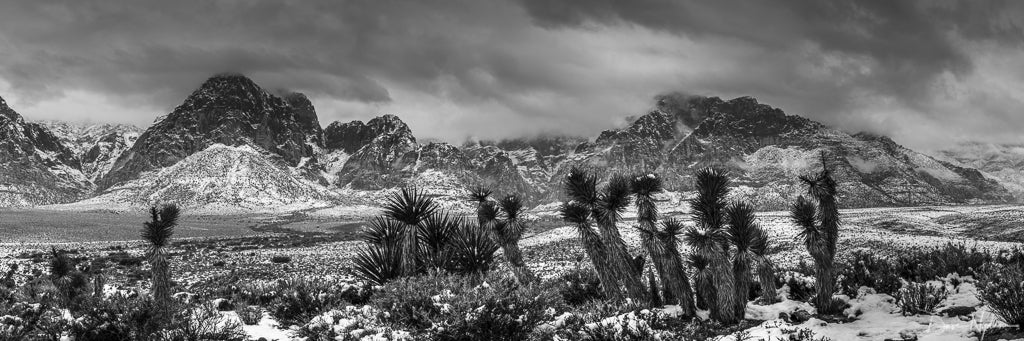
column 871, row 316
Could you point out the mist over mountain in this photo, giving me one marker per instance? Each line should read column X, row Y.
column 232, row 143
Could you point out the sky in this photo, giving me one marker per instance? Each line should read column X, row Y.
column 927, row 73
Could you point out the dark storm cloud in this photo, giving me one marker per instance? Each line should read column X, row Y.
column 910, row 42
column 499, row 68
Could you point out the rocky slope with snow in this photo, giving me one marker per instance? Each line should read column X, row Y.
column 228, row 109
column 765, row 150
column 1004, row 162
column 230, row 126
column 97, row 145
column 35, row 167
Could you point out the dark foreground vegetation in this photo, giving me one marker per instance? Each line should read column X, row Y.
column 424, row 273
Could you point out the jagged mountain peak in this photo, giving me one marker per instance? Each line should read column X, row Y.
column 354, row 135
column 228, row 109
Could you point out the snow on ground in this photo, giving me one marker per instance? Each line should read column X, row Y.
column 877, row 317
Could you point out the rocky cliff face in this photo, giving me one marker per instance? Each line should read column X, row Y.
column 1004, row 162
column 227, row 109
column 97, row 145
column 37, row 168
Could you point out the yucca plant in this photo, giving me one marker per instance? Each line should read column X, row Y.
column 661, row 244
column 65, row 278
column 765, row 269
column 436, row 234
column 472, row 249
column 378, row 264
column 612, row 201
column 709, row 239
column 743, row 233
column 509, row 232
column 410, row 207
column 702, row 280
column 618, row 270
column 819, row 229
column 158, row 232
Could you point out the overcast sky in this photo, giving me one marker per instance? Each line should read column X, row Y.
column 925, row 73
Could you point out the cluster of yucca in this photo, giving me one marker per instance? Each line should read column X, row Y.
column 818, row 220
column 414, row 236
column 503, row 220
column 727, row 243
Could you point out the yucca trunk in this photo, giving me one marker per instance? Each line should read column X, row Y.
column 678, row 282
column 766, row 275
column 410, row 251
column 742, row 277
column 724, row 308
column 160, row 274
column 825, row 285
column 621, row 264
column 705, row 289
column 514, row 256
column 598, row 255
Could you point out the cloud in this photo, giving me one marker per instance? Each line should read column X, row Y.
column 493, row 68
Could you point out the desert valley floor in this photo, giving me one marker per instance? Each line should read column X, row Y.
column 322, row 239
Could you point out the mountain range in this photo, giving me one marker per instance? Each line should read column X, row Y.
column 235, row 145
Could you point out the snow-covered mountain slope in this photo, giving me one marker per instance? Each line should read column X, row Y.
column 229, row 109
column 1004, row 162
column 230, row 126
column 221, row 177
column 35, row 167
column 765, row 150
column 97, row 145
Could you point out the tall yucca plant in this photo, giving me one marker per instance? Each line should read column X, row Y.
column 508, row 234
column 661, row 244
column 158, row 232
column 743, row 233
column 703, row 279
column 578, row 214
column 410, row 207
column 720, row 296
column 709, row 240
column 612, row 201
column 765, row 268
column 819, row 229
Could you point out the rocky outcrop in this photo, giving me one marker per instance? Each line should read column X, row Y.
column 37, row 168
column 227, row 109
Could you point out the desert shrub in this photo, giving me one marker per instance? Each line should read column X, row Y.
column 578, row 286
column 800, row 286
column 920, row 298
column 351, row 323
column 1001, row 287
column 280, row 259
column 297, row 301
column 291, row 300
column 869, row 270
column 250, row 314
column 201, row 322
column 453, row 307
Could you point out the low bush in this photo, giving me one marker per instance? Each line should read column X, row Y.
column 452, row 307
column 1001, row 287
column 868, row 270
column 920, row 298
column 250, row 314
column 280, row 259
column 579, row 286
